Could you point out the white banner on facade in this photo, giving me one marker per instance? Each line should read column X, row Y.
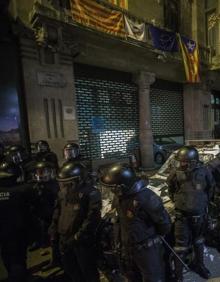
column 135, row 29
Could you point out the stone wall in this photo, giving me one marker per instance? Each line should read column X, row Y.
column 49, row 90
column 150, row 10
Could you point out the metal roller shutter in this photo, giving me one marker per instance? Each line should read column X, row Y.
column 107, row 109
column 167, row 109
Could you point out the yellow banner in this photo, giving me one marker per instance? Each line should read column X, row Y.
column 94, row 15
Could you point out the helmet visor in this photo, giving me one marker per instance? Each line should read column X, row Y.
column 42, row 148
column 70, row 154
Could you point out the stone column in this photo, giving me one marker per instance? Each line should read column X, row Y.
column 197, row 112
column 144, row 80
column 195, row 20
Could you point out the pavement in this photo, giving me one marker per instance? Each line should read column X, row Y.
column 36, row 261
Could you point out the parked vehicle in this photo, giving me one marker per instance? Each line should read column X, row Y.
column 163, row 147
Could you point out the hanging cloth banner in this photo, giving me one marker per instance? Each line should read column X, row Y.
column 94, row 15
column 190, row 58
column 135, row 29
column 163, row 40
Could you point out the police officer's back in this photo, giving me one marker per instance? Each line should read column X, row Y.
column 45, row 154
column 46, row 189
column 75, row 220
column 15, row 204
column 142, row 218
column 190, row 187
column 18, row 155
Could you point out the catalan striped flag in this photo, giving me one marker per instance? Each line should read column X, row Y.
column 97, row 16
column 190, row 58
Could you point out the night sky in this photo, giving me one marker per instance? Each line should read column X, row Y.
column 9, row 109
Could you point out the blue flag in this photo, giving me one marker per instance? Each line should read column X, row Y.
column 164, row 40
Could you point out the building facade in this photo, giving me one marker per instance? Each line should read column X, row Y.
column 113, row 94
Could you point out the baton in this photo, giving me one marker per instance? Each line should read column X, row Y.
column 176, row 255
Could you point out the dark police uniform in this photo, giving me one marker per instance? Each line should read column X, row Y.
column 191, row 191
column 46, row 195
column 214, row 167
column 142, row 218
column 15, row 205
column 213, row 237
column 75, row 221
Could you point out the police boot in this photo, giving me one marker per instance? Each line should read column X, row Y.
column 199, row 266
column 178, row 268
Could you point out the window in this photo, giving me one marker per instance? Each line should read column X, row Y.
column 171, row 14
column 215, row 99
column 211, row 27
column 211, row 32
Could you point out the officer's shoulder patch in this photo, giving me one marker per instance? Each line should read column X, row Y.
column 129, row 214
column 76, row 207
column 80, row 195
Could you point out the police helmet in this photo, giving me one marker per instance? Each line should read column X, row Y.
column 120, row 177
column 42, row 146
column 43, row 171
column 71, row 151
column 72, row 171
column 9, row 172
column 187, row 156
column 17, row 154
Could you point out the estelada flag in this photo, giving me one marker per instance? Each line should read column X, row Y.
column 190, row 55
column 97, row 16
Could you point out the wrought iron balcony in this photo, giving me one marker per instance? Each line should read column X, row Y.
column 59, row 11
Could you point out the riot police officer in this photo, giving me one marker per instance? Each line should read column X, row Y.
column 15, row 204
column 142, row 218
column 46, row 190
column 75, row 220
column 190, row 187
column 45, row 154
column 71, row 152
column 18, row 155
column 212, row 236
column 214, row 167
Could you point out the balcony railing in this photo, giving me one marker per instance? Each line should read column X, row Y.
column 60, row 11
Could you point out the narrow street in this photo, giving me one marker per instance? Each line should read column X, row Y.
column 35, row 262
